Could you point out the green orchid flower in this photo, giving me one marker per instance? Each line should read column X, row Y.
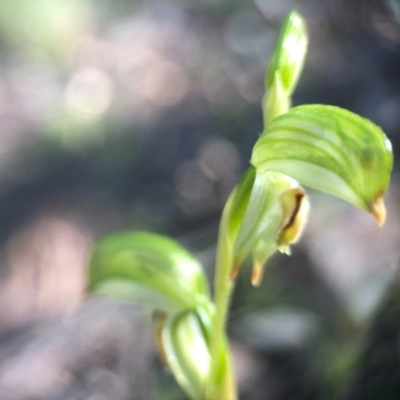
column 322, row 147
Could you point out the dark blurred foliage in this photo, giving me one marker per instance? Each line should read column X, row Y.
column 142, row 115
column 378, row 374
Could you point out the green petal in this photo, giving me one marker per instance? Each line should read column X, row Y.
column 329, row 149
column 147, row 268
column 263, row 213
column 262, row 251
column 252, row 219
column 187, row 352
column 289, row 54
column 283, row 230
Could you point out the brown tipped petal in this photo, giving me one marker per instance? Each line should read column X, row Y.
column 295, row 207
column 257, row 275
column 379, row 210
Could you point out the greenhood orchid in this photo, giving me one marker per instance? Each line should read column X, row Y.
column 318, row 146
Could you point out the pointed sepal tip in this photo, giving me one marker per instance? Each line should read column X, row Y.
column 379, row 210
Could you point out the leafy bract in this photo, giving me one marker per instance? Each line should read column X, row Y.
column 329, row 149
column 148, row 268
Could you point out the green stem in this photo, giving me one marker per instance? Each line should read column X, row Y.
column 221, row 385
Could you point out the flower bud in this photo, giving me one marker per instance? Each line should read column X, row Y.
column 187, row 352
column 289, row 54
column 276, row 101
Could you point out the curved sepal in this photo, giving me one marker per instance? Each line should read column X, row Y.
column 148, row 268
column 332, row 150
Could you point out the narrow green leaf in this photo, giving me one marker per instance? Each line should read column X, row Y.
column 149, row 268
column 329, row 149
column 289, row 54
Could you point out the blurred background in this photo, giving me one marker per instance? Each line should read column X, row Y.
column 141, row 115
